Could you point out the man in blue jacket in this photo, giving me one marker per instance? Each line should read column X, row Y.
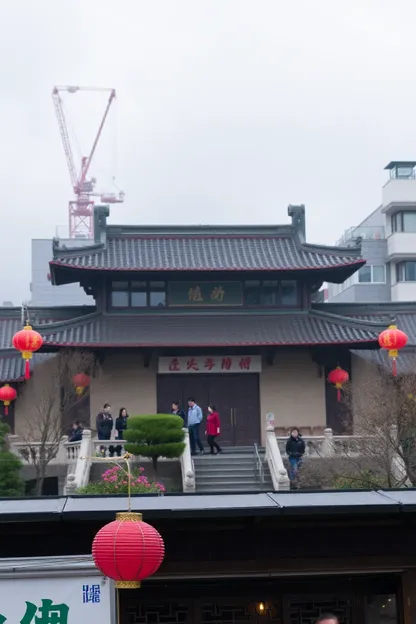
column 194, row 420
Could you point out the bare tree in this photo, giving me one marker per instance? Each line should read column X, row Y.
column 382, row 412
column 49, row 405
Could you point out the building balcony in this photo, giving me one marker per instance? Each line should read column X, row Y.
column 401, row 245
column 403, row 291
column 399, row 192
column 365, row 232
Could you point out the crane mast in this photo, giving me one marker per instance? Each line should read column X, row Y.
column 81, row 209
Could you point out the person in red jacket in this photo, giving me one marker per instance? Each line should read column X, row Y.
column 213, row 429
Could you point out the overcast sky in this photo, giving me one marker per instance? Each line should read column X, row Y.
column 227, row 111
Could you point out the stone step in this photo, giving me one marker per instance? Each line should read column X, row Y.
column 231, row 459
column 216, row 470
column 230, row 486
column 227, row 476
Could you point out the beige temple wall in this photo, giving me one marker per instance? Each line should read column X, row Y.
column 293, row 391
column 124, row 382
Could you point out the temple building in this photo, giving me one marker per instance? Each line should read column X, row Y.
column 223, row 314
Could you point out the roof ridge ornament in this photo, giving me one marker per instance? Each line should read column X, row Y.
column 298, row 220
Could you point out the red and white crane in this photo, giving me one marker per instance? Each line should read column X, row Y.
column 81, row 209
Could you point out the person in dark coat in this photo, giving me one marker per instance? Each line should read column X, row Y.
column 295, row 449
column 104, row 425
column 177, row 411
column 77, row 431
column 121, row 426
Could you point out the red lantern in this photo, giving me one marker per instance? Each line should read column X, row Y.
column 27, row 341
column 338, row 377
column 80, row 381
column 128, row 550
column 392, row 340
column 7, row 395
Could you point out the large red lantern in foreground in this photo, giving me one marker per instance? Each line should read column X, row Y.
column 392, row 340
column 80, row 381
column 338, row 377
column 7, row 395
column 27, row 341
column 128, row 550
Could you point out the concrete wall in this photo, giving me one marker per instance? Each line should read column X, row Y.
column 42, row 291
column 124, row 382
column 293, row 391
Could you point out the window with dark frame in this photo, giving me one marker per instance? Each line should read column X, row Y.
column 137, row 294
column 406, row 271
column 404, row 221
column 143, row 294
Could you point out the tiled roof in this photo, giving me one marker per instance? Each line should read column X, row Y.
column 271, row 251
column 406, row 362
column 404, row 314
column 204, row 330
column 12, row 365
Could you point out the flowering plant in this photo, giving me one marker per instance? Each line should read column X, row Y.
column 115, row 481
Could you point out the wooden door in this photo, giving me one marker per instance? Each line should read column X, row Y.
column 235, row 396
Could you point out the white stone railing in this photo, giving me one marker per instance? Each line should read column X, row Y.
column 187, row 466
column 78, row 458
column 274, row 460
column 30, row 453
column 107, row 448
column 329, row 445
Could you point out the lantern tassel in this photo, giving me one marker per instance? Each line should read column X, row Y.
column 6, row 410
column 27, row 369
column 394, row 367
column 339, row 395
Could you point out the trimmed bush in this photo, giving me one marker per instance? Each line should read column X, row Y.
column 154, row 436
column 115, row 481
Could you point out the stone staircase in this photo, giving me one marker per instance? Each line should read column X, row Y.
column 233, row 470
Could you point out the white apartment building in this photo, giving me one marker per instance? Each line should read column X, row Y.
column 388, row 239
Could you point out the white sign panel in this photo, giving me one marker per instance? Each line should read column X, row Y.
column 70, row 600
column 210, row 364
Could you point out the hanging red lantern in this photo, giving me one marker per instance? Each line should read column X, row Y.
column 128, row 550
column 338, row 377
column 27, row 341
column 392, row 340
column 7, row 395
column 80, row 381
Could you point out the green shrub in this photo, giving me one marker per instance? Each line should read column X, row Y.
column 115, row 481
column 154, row 436
column 11, row 484
column 366, row 480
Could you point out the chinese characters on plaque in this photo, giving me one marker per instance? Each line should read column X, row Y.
column 210, row 364
column 205, row 293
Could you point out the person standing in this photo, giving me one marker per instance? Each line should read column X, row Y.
column 104, row 425
column 194, row 421
column 77, row 431
column 121, row 426
column 177, row 411
column 295, row 449
column 213, row 429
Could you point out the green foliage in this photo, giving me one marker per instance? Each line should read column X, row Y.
column 366, row 480
column 154, row 436
column 11, row 483
column 115, row 481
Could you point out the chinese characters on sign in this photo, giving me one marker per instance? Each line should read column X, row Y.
column 210, row 364
column 205, row 293
column 91, row 593
column 56, row 600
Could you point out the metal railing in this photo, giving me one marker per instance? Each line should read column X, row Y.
column 258, row 465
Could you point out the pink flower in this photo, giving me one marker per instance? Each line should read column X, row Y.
column 147, row 485
column 124, row 482
column 116, row 487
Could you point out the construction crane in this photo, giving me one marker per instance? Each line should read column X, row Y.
column 81, row 209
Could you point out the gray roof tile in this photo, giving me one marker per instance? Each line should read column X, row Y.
column 203, row 330
column 195, row 252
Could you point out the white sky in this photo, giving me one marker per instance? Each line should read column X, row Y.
column 227, row 111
